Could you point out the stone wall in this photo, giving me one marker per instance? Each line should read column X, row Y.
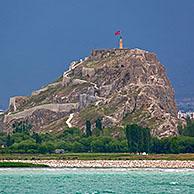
column 68, row 107
column 16, row 101
column 37, row 92
column 103, row 53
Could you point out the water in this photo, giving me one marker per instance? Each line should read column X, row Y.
column 95, row 181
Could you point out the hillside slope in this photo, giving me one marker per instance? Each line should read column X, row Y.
column 118, row 85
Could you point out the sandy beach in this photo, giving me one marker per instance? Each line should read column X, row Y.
column 110, row 163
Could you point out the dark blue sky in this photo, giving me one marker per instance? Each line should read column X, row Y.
column 38, row 38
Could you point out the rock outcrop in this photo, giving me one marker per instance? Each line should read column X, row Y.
column 119, row 85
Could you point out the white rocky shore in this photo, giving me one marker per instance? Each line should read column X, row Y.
column 110, row 163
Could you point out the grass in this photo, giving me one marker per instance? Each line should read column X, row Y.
column 19, row 165
column 90, row 113
column 96, row 156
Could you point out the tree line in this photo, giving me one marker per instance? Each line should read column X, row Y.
column 135, row 139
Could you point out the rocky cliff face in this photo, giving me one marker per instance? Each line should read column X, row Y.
column 119, row 85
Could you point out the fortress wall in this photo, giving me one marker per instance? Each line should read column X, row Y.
column 37, row 92
column 103, row 53
column 16, row 101
column 68, row 107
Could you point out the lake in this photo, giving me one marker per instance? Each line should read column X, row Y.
column 95, row 181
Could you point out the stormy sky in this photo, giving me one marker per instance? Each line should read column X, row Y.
column 39, row 38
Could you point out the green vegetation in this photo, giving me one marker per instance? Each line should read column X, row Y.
column 99, row 124
column 91, row 113
column 95, row 139
column 138, row 138
column 23, row 140
column 96, row 156
column 19, row 165
column 188, row 130
column 88, row 129
column 22, row 126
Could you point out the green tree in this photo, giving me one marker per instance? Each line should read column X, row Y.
column 188, row 121
column 37, row 138
column 166, row 145
column 47, row 147
column 99, row 124
column 19, row 136
column 66, row 146
column 21, row 126
column 118, row 146
column 96, row 132
column 146, row 140
column 77, row 147
column 182, row 144
column 129, row 137
column 88, row 128
column 9, row 141
column 189, row 129
column 156, row 146
column 26, row 146
column 100, row 144
column 3, row 138
column 86, row 143
column 180, row 128
column 132, row 135
column 138, row 138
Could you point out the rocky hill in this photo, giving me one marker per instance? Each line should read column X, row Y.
column 118, row 85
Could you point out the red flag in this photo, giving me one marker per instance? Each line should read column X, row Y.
column 117, row 33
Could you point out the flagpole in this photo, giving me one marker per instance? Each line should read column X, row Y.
column 120, row 41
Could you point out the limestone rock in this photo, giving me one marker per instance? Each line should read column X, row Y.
column 119, row 85
column 88, row 72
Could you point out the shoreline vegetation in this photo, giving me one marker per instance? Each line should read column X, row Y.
column 18, row 164
column 97, row 156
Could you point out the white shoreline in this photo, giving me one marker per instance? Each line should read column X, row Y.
column 92, row 170
column 161, row 164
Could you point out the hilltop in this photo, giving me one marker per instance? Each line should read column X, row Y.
column 119, row 86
